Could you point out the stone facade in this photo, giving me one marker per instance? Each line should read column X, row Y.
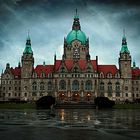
column 74, row 78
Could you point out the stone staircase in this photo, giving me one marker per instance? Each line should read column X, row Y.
column 75, row 106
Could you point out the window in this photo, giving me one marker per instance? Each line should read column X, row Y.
column 34, row 75
column 9, row 88
column 126, row 87
column 126, row 94
column 101, row 75
column 42, row 87
column 25, row 87
column 109, row 89
column 25, row 94
column 109, row 75
column 9, row 94
column 34, row 86
column 75, row 69
column 42, row 74
column 49, row 85
column 89, row 69
column 88, row 85
column 62, row 69
column 75, row 85
column 117, row 86
column 101, row 86
column 62, row 85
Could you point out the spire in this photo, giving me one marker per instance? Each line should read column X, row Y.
column 134, row 64
column 76, row 22
column 19, row 65
column 124, row 48
column 54, row 57
column 28, row 49
column 44, row 63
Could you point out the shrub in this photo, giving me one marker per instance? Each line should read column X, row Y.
column 104, row 102
column 45, row 102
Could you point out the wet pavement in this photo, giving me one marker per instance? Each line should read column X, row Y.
column 83, row 124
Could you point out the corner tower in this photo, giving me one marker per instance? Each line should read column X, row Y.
column 125, row 60
column 76, row 44
column 27, row 60
column 125, row 70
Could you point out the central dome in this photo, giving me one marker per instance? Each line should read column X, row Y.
column 76, row 35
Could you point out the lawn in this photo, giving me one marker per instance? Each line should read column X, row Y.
column 126, row 106
column 17, row 106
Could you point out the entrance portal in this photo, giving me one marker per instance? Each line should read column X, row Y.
column 75, row 97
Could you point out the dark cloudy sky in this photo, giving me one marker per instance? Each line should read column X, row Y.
column 49, row 21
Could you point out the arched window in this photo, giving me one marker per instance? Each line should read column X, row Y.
column 42, row 86
column 102, row 86
column 43, row 74
column 109, row 89
column 49, row 85
column 75, row 69
column 62, row 85
column 62, row 69
column 34, row 86
column 117, row 86
column 88, row 85
column 89, row 69
column 34, row 75
column 109, row 75
column 117, row 75
column 75, row 85
column 117, row 89
column 101, row 75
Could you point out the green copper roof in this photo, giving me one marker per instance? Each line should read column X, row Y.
column 124, row 49
column 28, row 49
column 76, row 35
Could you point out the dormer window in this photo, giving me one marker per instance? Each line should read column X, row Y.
column 42, row 74
column 117, row 75
column 62, row 69
column 101, row 75
column 89, row 69
column 75, row 69
column 34, row 75
column 109, row 75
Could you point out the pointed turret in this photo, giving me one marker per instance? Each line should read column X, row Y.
column 124, row 48
column 76, row 22
column 134, row 64
column 28, row 49
column 19, row 65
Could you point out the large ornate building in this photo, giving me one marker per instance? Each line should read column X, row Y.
column 74, row 78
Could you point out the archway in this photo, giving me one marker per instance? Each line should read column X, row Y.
column 76, row 96
column 88, row 96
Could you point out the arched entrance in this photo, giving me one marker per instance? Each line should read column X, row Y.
column 62, row 96
column 76, row 96
column 88, row 96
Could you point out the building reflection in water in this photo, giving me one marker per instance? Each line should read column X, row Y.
column 62, row 114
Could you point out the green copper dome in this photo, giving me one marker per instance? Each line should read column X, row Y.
column 76, row 35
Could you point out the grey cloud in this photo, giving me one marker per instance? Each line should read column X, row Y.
column 50, row 20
